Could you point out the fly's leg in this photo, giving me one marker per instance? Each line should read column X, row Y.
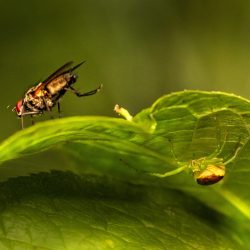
column 32, row 120
column 92, row 92
column 22, row 122
column 46, row 104
column 59, row 108
column 21, row 116
column 31, row 113
column 47, row 107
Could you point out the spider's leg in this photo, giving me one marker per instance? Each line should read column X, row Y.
column 236, row 152
column 169, row 173
column 182, row 165
column 173, row 152
column 220, row 146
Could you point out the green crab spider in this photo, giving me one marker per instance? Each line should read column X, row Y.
column 205, row 170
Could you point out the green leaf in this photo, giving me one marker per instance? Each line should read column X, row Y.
column 63, row 211
column 131, row 208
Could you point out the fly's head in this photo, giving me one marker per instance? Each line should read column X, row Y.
column 19, row 108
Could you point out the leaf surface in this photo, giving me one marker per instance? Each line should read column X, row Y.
column 112, row 201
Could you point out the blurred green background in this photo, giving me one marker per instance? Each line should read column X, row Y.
column 138, row 49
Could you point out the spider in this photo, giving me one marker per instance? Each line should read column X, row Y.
column 205, row 170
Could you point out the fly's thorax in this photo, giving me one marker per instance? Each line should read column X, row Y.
column 33, row 103
column 35, row 99
column 59, row 83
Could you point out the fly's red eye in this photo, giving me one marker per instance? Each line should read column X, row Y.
column 19, row 106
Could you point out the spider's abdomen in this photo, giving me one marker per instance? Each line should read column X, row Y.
column 211, row 175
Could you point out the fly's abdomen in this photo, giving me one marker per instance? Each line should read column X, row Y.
column 59, row 83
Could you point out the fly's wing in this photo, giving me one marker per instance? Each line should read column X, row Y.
column 77, row 66
column 62, row 70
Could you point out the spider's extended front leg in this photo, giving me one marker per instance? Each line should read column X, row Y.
column 181, row 165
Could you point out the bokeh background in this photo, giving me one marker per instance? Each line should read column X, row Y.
column 138, row 49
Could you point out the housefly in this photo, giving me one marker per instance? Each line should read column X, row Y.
column 45, row 95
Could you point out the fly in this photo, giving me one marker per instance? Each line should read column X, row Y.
column 45, row 95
